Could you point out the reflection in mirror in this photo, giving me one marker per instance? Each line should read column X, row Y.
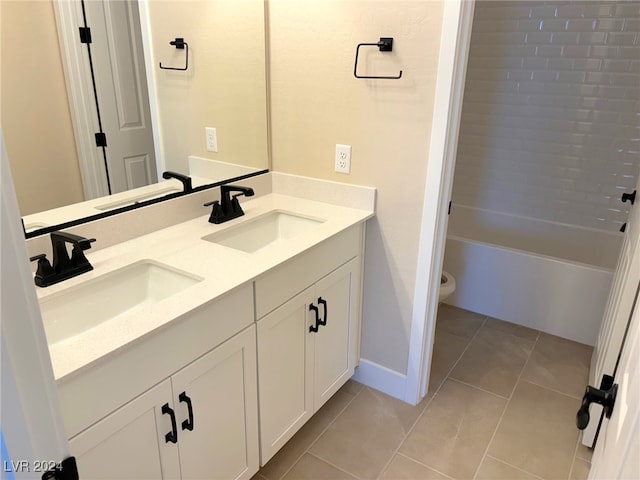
column 60, row 177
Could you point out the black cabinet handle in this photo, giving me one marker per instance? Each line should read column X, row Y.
column 323, row 302
column 313, row 308
column 187, row 424
column 631, row 197
column 172, row 436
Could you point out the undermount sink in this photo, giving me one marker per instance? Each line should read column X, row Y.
column 133, row 199
column 78, row 309
column 272, row 227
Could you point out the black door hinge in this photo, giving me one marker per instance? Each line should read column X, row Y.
column 101, row 139
column 66, row 470
column 85, row 34
column 449, row 210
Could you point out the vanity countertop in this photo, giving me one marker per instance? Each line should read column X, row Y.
column 181, row 247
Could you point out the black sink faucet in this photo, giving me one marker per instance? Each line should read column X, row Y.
column 64, row 267
column 186, row 181
column 228, row 207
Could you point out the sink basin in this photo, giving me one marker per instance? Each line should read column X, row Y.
column 133, row 199
column 78, row 309
column 272, row 227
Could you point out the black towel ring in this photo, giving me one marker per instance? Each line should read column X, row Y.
column 384, row 45
column 180, row 44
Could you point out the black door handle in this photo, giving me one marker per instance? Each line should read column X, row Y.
column 187, row 424
column 172, row 436
column 605, row 396
column 629, row 196
column 313, row 308
column 323, row 302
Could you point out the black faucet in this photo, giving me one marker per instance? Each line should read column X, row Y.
column 186, row 181
column 228, row 207
column 64, row 267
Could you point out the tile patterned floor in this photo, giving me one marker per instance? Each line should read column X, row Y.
column 501, row 406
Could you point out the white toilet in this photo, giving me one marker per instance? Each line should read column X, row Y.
column 447, row 286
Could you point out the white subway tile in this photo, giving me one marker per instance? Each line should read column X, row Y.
column 592, row 38
column 616, row 38
column 565, row 38
column 553, row 25
column 610, row 24
column 581, row 25
column 544, row 11
column 627, row 9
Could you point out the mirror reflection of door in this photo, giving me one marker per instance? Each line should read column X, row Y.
column 117, row 60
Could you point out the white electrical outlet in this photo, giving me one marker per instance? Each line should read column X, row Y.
column 212, row 139
column 343, row 158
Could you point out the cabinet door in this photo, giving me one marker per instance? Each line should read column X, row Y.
column 336, row 297
column 220, row 390
column 130, row 443
column 285, row 384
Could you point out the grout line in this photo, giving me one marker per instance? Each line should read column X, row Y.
column 576, row 457
column 514, row 467
column 424, row 465
column 294, row 463
column 565, row 394
column 475, row 387
column 333, row 465
column 515, row 385
column 484, row 321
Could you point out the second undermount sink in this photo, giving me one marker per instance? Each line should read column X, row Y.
column 133, row 199
column 73, row 311
column 255, row 234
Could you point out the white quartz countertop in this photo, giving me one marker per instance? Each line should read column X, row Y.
column 181, row 246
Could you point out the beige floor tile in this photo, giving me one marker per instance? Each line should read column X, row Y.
column 447, row 349
column 309, row 433
column 452, row 434
column 403, row 468
column 367, row 433
column 312, row 468
column 493, row 361
column 512, row 328
column 584, row 453
column 458, row 322
column 257, row 476
column 559, row 364
column 492, row 469
column 352, row 387
column 580, row 470
column 537, row 432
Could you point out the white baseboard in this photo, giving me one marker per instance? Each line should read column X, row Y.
column 381, row 378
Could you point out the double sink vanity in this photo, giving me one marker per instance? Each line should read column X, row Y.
column 197, row 350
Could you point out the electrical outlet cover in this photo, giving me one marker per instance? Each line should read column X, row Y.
column 343, row 158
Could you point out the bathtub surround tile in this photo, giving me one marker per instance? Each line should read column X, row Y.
column 537, row 432
column 366, row 435
column 404, row 468
column 452, row 434
column 288, row 455
column 559, row 364
column 458, row 322
column 493, row 469
column 447, row 349
column 493, row 361
column 312, row 468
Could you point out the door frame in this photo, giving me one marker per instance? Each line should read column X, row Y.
column 455, row 41
column 82, row 106
column 32, row 428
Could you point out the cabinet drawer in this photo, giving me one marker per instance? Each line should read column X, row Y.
column 114, row 380
column 285, row 281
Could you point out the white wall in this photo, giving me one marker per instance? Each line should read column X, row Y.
column 550, row 125
column 316, row 102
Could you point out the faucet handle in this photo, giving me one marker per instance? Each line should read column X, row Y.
column 44, row 268
column 217, row 214
column 85, row 243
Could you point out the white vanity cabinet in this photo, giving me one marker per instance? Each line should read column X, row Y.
column 199, row 423
column 307, row 347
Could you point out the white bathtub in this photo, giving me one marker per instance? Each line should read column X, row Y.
column 544, row 275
